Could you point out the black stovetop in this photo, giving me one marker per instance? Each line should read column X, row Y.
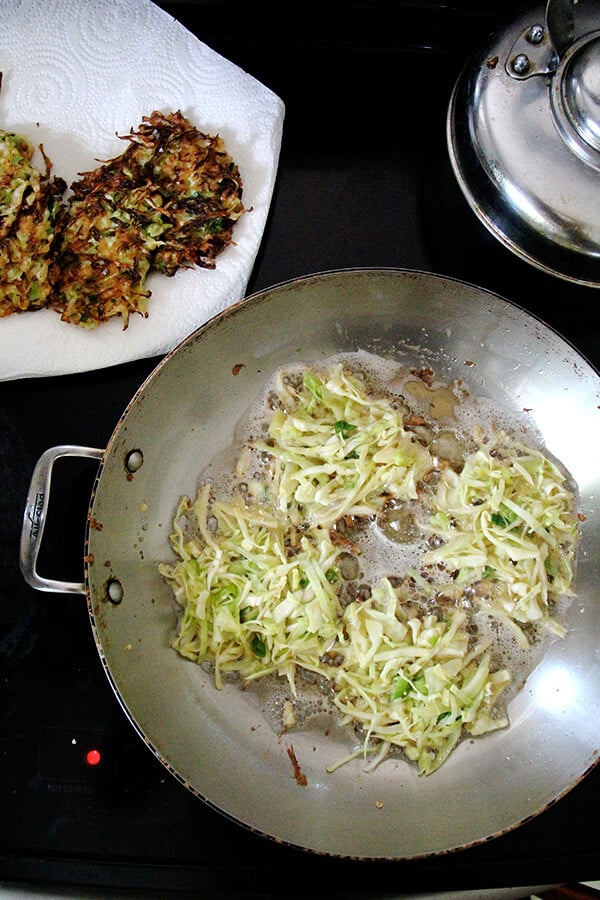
column 363, row 181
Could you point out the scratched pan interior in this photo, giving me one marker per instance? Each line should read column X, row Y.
column 219, row 744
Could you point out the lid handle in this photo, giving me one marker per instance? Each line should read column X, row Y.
column 540, row 47
column 560, row 22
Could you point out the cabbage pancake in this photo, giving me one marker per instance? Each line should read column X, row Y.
column 169, row 201
column 30, row 209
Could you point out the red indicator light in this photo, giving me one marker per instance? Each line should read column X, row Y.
column 93, row 757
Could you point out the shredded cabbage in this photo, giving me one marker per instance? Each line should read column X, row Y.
column 513, row 532
column 261, row 589
column 338, row 451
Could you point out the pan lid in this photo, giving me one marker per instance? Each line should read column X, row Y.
column 523, row 132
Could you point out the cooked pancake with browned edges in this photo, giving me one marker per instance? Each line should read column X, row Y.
column 30, row 209
column 169, row 201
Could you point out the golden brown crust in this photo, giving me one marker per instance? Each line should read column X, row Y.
column 169, row 201
column 30, row 209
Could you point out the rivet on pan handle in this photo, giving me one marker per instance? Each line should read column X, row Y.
column 32, row 531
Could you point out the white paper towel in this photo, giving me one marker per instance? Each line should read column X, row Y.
column 78, row 73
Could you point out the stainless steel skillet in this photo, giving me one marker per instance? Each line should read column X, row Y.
column 219, row 743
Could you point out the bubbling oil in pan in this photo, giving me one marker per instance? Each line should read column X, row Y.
column 445, row 418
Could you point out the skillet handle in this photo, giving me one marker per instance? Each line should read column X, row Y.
column 32, row 531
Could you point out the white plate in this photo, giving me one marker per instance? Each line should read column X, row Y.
column 76, row 75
